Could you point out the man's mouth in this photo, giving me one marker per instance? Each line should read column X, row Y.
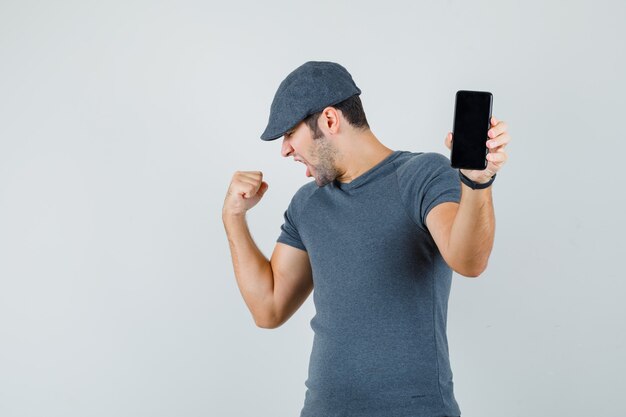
column 308, row 169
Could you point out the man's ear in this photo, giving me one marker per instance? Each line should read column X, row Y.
column 330, row 120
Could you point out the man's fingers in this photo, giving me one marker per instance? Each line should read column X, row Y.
column 257, row 175
column 249, row 191
column 448, row 140
column 247, row 182
column 497, row 130
column 245, row 190
column 501, row 141
column 497, row 157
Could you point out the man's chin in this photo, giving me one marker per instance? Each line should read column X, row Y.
column 322, row 182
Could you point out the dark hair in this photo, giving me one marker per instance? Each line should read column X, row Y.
column 352, row 110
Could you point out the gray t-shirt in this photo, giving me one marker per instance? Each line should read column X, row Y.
column 381, row 290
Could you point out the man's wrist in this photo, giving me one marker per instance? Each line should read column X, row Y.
column 476, row 185
column 229, row 215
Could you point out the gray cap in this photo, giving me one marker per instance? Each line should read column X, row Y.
column 308, row 89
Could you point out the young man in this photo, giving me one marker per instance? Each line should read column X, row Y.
column 377, row 234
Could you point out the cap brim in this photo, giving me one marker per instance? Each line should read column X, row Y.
column 273, row 133
column 269, row 136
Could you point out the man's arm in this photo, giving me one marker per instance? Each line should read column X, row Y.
column 253, row 271
column 464, row 232
column 293, row 280
column 273, row 290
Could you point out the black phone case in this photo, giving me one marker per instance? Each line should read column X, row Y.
column 472, row 115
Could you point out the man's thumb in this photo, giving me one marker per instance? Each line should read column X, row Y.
column 262, row 189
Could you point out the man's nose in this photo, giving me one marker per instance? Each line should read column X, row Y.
column 286, row 148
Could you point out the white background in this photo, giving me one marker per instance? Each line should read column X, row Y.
column 122, row 123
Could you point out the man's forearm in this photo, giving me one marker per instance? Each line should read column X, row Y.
column 473, row 230
column 252, row 269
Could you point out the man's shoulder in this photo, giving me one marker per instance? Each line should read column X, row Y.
column 304, row 192
column 412, row 163
column 306, row 189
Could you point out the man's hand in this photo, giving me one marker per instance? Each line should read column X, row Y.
column 245, row 191
column 496, row 142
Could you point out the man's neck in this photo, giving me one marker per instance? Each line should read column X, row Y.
column 364, row 152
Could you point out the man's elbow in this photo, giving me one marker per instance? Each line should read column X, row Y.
column 265, row 324
column 268, row 323
column 471, row 271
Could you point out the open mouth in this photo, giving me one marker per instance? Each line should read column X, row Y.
column 308, row 169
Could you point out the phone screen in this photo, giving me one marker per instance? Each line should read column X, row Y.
column 472, row 113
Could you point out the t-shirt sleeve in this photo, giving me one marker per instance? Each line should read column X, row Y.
column 425, row 181
column 289, row 234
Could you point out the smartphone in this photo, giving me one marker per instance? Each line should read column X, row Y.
column 472, row 115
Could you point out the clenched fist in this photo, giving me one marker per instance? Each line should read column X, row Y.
column 245, row 190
